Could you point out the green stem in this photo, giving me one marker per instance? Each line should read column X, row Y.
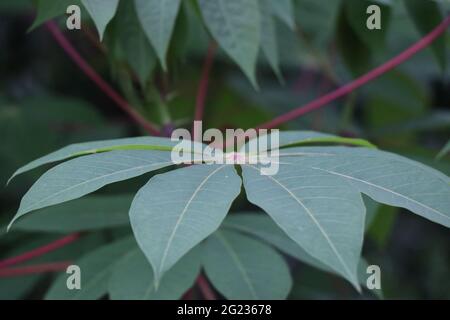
column 348, row 111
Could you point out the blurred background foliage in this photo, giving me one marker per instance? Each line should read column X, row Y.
column 47, row 103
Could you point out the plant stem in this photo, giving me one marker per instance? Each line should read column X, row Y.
column 33, row 269
column 40, row 251
column 321, row 60
column 350, row 87
column 347, row 112
column 205, row 288
column 204, row 82
column 95, row 77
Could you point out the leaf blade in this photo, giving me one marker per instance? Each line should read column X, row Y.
column 78, row 177
column 243, row 268
column 85, row 148
column 132, row 278
column 90, row 213
column 236, row 27
column 157, row 18
column 298, row 207
column 102, row 12
column 198, row 207
column 96, row 268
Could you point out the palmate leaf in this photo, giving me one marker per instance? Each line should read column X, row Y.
column 174, row 211
column 243, row 268
column 321, row 212
column 157, row 18
column 101, row 11
column 315, row 198
column 236, row 26
column 78, row 177
column 132, row 277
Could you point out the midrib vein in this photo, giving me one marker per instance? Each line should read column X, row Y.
column 180, row 218
column 384, row 189
column 89, row 181
column 319, row 226
column 239, row 265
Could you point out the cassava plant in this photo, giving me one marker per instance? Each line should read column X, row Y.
column 313, row 209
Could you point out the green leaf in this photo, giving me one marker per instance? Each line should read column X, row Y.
column 372, row 210
column 101, row 11
column 389, row 179
column 174, row 211
column 426, row 15
column 241, row 268
column 263, row 227
column 355, row 53
column 49, row 9
column 91, row 213
column 269, row 43
column 321, row 212
column 80, row 149
column 317, row 19
column 284, row 10
column 135, row 45
column 236, row 26
column 96, row 268
column 355, row 11
column 132, row 278
column 157, row 18
column 78, row 177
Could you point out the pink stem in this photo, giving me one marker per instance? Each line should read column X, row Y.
column 33, row 269
column 204, row 81
column 348, row 88
column 102, row 84
column 39, row 251
column 205, row 288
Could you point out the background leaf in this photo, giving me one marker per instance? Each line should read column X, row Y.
column 357, row 17
column 264, row 228
column 96, row 268
column 284, row 10
column 242, row 268
column 101, row 11
column 132, row 278
column 90, row 213
column 134, row 43
column 236, row 27
column 157, row 18
column 49, row 9
column 269, row 44
column 426, row 16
